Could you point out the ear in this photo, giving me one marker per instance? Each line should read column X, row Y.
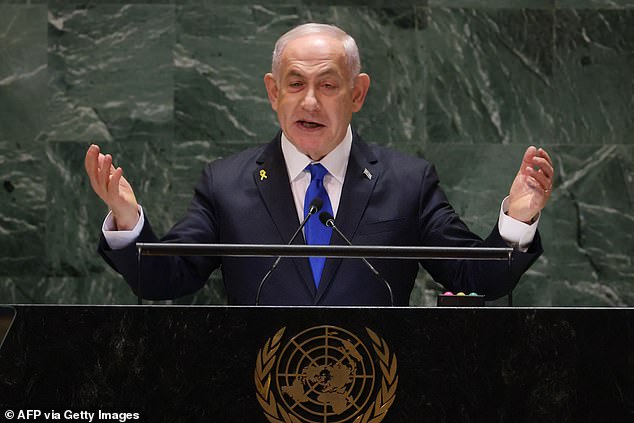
column 271, row 89
column 361, row 87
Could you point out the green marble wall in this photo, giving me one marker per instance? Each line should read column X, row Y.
column 168, row 85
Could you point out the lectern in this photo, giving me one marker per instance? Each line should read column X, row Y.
column 296, row 364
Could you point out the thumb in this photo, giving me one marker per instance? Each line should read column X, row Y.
column 527, row 159
column 530, row 152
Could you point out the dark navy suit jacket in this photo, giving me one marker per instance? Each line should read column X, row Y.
column 401, row 204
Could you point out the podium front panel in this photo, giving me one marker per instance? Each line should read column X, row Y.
column 296, row 364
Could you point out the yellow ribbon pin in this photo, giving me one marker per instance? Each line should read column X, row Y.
column 263, row 175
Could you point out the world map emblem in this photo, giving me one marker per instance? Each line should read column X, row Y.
column 325, row 374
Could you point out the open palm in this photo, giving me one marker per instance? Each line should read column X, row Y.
column 110, row 185
column 532, row 185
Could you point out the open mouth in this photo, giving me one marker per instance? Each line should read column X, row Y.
column 309, row 125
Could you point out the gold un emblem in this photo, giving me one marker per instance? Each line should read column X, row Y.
column 325, row 374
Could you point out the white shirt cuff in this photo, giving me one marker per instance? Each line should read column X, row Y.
column 120, row 239
column 517, row 234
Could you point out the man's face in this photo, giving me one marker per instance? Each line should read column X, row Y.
column 313, row 94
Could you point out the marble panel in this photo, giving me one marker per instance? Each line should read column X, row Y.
column 92, row 3
column 75, row 215
column 24, row 289
column 490, row 76
column 102, row 286
column 425, row 291
column 168, row 85
column 586, row 229
column 110, row 72
column 493, row 4
column 220, row 58
column 98, row 288
column 591, row 227
column 595, row 4
column 392, row 52
column 24, row 2
column 22, row 210
column 186, row 165
column 23, row 72
column 222, row 54
column 476, row 178
column 594, row 52
column 309, row 3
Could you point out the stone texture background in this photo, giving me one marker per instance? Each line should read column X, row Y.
column 166, row 86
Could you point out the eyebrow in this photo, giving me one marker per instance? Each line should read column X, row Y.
column 326, row 72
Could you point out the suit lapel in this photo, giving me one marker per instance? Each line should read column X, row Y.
column 271, row 178
column 361, row 177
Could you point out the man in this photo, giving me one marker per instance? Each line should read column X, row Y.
column 378, row 197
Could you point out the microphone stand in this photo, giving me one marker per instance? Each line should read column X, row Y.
column 314, row 207
column 328, row 220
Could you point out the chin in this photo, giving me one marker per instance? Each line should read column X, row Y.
column 307, row 142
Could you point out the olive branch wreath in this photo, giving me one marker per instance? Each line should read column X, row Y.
column 275, row 413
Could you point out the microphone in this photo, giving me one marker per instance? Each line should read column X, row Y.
column 313, row 208
column 328, row 220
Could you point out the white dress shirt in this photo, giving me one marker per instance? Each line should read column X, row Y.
column 335, row 162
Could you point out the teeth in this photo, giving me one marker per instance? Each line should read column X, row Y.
column 310, row 124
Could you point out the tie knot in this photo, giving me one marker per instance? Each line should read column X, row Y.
column 317, row 171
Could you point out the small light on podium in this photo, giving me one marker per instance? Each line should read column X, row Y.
column 449, row 299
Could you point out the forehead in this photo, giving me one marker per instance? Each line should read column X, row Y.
column 313, row 53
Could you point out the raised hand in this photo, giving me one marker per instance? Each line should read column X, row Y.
column 110, row 185
column 532, row 186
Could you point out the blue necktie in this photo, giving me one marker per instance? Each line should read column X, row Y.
column 315, row 232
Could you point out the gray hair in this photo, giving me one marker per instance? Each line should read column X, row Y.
column 351, row 51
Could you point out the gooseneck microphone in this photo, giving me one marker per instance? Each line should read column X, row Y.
column 313, row 209
column 328, row 220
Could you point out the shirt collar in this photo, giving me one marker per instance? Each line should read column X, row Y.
column 336, row 162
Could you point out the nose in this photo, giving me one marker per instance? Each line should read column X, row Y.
column 310, row 102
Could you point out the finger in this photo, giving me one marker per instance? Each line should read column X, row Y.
column 527, row 159
column 91, row 163
column 543, row 153
column 540, row 178
column 544, row 166
column 544, row 181
column 104, row 172
column 532, row 183
column 100, row 161
column 530, row 152
column 100, row 178
column 115, row 178
column 537, row 187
